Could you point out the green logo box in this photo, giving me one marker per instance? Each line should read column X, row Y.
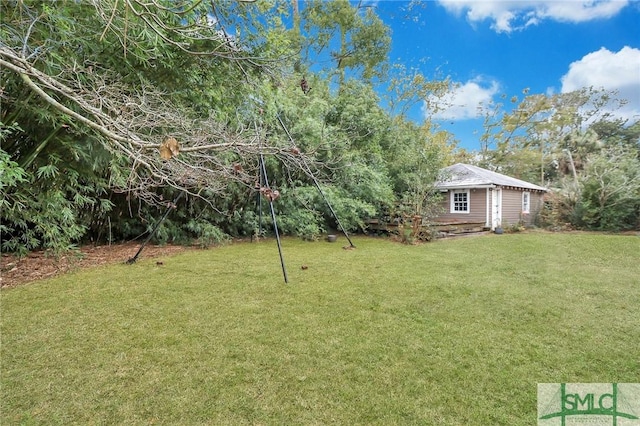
column 593, row 404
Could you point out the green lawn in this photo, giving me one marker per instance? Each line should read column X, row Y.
column 452, row 332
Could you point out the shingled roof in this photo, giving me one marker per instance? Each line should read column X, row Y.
column 467, row 176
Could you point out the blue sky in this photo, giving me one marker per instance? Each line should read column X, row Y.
column 490, row 48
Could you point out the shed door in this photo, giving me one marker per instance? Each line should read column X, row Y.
column 496, row 208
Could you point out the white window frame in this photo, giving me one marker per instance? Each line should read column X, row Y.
column 452, row 208
column 526, row 202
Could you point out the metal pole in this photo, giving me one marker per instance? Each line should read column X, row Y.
column 315, row 181
column 335, row 216
column 166, row 213
column 263, row 170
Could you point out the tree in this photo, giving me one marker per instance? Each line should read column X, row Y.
column 408, row 87
column 536, row 126
column 572, row 143
column 132, row 118
column 356, row 38
column 85, row 92
column 610, row 199
column 112, row 108
column 618, row 132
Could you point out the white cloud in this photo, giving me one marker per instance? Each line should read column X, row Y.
column 507, row 16
column 463, row 102
column 618, row 71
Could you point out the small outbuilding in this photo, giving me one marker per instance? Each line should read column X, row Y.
column 473, row 195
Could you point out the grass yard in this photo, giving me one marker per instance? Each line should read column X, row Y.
column 456, row 332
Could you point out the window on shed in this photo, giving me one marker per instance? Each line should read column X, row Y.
column 460, row 201
column 526, row 202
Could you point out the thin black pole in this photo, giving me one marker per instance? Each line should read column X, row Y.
column 263, row 170
column 335, row 216
column 166, row 213
column 315, row 181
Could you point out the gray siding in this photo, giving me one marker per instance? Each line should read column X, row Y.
column 477, row 208
column 512, row 207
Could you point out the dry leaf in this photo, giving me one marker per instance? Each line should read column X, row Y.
column 169, row 148
column 165, row 153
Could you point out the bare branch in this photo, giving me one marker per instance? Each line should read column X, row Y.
column 132, row 125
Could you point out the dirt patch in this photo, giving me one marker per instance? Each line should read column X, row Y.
column 37, row 265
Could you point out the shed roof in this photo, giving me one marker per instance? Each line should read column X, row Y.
column 465, row 176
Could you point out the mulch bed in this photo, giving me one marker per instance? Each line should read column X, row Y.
column 38, row 265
